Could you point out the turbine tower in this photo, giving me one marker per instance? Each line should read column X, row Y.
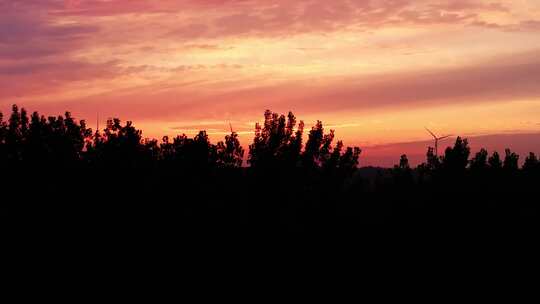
column 437, row 140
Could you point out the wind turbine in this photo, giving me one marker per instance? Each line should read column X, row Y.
column 437, row 140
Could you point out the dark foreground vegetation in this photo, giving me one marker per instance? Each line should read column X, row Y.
column 59, row 176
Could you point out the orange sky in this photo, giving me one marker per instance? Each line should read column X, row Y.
column 376, row 71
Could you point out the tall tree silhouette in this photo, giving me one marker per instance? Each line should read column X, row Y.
column 312, row 153
column 290, row 152
column 276, row 143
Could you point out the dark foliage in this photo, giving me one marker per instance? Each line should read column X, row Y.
column 287, row 182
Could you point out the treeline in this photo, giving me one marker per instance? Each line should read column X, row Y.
column 278, row 143
column 460, row 171
column 37, row 140
column 457, row 162
column 287, row 179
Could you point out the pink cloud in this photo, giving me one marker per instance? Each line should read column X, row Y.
column 488, row 82
column 28, row 79
column 270, row 17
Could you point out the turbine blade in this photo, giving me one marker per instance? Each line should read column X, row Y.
column 446, row 136
column 430, row 133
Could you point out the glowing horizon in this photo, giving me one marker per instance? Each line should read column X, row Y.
column 375, row 71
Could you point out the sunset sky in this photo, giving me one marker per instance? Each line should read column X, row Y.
column 375, row 71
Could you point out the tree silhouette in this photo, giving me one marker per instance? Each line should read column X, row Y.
column 230, row 154
column 403, row 163
column 402, row 173
column 16, row 132
column 494, row 161
column 312, row 153
column 121, row 146
column 348, row 162
column 480, row 161
column 433, row 162
column 275, row 143
column 3, row 144
column 511, row 160
column 187, row 152
column 456, row 159
column 38, row 141
column 531, row 163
